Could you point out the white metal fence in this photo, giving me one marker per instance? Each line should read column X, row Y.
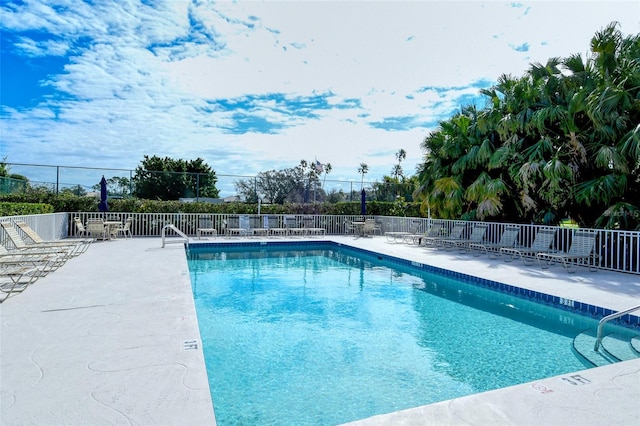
column 615, row 250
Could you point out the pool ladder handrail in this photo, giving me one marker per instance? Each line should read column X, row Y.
column 177, row 231
column 605, row 320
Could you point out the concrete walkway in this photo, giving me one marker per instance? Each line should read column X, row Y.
column 112, row 338
column 101, row 341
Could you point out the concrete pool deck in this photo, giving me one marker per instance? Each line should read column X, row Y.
column 112, row 338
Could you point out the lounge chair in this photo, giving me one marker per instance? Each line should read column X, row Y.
column 44, row 248
column 440, row 240
column 580, row 253
column 37, row 239
column 18, row 271
column 311, row 228
column 416, row 231
column 404, row 236
column 507, row 240
column 16, row 278
column 277, row 228
column 477, row 235
column 48, row 262
column 264, row 232
column 396, row 236
column 291, row 224
column 427, row 237
column 541, row 244
column 242, row 230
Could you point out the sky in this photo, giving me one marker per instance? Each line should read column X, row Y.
column 254, row 86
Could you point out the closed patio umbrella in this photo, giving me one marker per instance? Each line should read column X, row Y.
column 103, row 206
column 363, row 203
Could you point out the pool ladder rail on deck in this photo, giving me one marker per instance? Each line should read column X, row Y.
column 183, row 238
column 605, row 320
column 598, row 348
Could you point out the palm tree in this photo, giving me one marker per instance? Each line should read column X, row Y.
column 562, row 136
column 610, row 186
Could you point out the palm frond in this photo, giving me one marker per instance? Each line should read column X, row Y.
column 499, row 158
column 630, row 145
column 609, row 158
column 600, row 190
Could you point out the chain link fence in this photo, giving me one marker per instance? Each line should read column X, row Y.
column 122, row 184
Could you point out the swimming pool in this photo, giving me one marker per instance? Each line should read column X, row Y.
column 322, row 335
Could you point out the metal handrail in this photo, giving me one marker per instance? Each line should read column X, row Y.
column 605, row 320
column 177, row 231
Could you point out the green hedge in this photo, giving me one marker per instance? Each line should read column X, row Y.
column 18, row 209
column 70, row 203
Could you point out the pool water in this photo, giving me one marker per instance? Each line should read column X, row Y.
column 323, row 337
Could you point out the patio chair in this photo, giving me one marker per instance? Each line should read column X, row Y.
column 580, row 253
column 83, row 243
column 349, row 227
column 125, row 230
column 369, row 227
column 507, row 240
column 541, row 244
column 81, row 231
column 97, row 229
column 377, row 228
column 477, row 235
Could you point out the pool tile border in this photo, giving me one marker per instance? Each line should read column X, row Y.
column 597, row 312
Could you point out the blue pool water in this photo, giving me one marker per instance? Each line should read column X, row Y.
column 327, row 336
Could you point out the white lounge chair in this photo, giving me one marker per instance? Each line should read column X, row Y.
column 16, row 278
column 311, row 228
column 541, row 244
column 477, row 235
column 507, row 240
column 404, row 236
column 44, row 248
column 82, row 243
column 241, row 231
column 454, row 235
column 291, row 224
column 277, row 228
column 427, row 237
column 580, row 253
column 46, row 261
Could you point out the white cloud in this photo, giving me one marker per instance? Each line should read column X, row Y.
column 144, row 80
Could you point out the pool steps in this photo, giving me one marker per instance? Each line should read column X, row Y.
column 615, row 348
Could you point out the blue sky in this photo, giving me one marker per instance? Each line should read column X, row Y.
column 256, row 86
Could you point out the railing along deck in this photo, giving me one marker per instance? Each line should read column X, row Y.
column 615, row 250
